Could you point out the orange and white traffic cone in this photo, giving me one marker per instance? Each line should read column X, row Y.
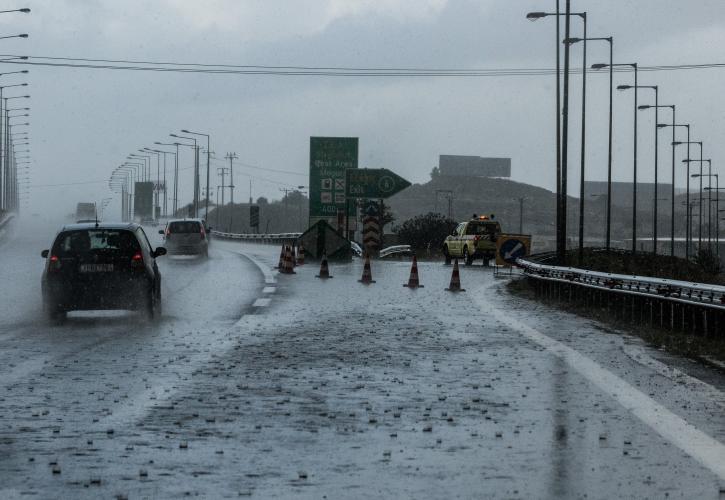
column 280, row 265
column 367, row 275
column 301, row 255
column 413, row 281
column 455, row 285
column 324, row 269
column 287, row 266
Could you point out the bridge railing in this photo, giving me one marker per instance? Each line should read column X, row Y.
column 695, row 294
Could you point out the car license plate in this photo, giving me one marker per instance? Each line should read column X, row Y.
column 96, row 268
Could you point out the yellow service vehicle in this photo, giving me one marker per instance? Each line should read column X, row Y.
column 474, row 239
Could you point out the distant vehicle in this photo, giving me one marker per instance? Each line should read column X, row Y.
column 101, row 266
column 473, row 239
column 149, row 222
column 186, row 237
column 85, row 211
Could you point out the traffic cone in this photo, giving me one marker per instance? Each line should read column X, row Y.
column 280, row 265
column 287, row 266
column 324, row 268
column 301, row 254
column 413, row 281
column 455, row 285
column 367, row 275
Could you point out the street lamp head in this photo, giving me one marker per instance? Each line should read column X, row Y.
column 572, row 41
column 599, row 66
column 173, row 135
column 185, row 131
column 535, row 16
column 624, row 87
column 25, row 10
column 24, row 35
column 662, row 125
column 643, row 107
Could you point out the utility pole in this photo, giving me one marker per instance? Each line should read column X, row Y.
column 231, row 157
column 221, row 171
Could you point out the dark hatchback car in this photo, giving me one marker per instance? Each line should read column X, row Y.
column 101, row 266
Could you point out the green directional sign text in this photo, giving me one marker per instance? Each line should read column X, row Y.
column 373, row 183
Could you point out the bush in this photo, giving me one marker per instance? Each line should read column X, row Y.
column 425, row 232
column 708, row 261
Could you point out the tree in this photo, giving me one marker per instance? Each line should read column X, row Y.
column 262, row 201
column 426, row 231
column 435, row 173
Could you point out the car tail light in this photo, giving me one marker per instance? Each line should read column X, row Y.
column 168, row 232
column 203, row 233
column 137, row 260
column 476, row 238
column 54, row 263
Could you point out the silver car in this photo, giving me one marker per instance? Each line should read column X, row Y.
column 186, row 237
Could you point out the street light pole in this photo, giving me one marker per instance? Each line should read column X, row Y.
column 634, row 184
column 196, row 170
column 677, row 143
column 709, row 190
column 208, row 153
column 561, row 174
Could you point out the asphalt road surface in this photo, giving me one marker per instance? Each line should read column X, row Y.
column 271, row 386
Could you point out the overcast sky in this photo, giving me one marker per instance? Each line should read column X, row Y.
column 85, row 121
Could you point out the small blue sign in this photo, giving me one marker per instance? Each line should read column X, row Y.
column 511, row 250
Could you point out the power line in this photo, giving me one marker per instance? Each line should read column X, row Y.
column 326, row 71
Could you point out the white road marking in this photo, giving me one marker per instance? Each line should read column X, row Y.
column 261, row 302
column 703, row 448
column 269, row 289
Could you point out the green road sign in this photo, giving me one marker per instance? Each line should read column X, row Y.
column 330, row 157
column 373, row 183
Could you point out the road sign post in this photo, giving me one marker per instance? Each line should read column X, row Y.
column 510, row 247
column 373, row 183
column 330, row 158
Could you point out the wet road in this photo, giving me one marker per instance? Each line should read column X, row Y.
column 278, row 386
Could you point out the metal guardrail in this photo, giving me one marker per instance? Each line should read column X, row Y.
column 258, row 238
column 696, row 294
column 395, row 249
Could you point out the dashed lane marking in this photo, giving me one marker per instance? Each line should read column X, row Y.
column 688, row 438
column 261, row 302
column 269, row 289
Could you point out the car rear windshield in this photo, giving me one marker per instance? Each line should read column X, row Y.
column 184, row 226
column 83, row 241
column 482, row 228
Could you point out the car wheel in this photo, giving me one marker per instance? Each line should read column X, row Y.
column 466, row 257
column 55, row 314
column 447, row 255
column 152, row 305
